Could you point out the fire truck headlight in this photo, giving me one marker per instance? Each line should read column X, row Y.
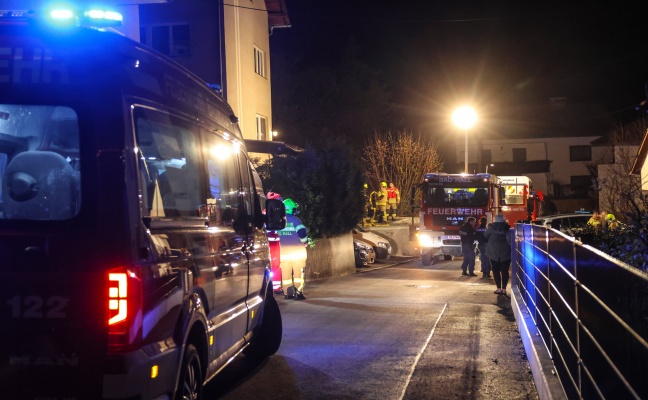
column 425, row 240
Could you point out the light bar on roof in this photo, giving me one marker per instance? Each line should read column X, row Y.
column 95, row 17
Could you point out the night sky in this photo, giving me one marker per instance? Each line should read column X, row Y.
column 433, row 55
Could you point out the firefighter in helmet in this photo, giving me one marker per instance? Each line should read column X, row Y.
column 370, row 206
column 381, row 203
column 294, row 239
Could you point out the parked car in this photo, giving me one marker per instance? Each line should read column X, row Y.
column 364, row 253
column 380, row 245
column 570, row 223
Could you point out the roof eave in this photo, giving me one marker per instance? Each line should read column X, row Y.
column 277, row 14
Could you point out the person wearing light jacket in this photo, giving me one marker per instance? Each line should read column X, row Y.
column 498, row 250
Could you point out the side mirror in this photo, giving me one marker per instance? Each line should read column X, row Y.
column 275, row 215
column 502, row 196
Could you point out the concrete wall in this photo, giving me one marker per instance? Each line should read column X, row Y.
column 330, row 257
column 399, row 238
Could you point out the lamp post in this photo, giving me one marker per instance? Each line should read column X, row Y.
column 489, row 165
column 465, row 118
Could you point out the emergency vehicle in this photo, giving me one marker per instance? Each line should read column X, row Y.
column 521, row 203
column 447, row 201
column 134, row 260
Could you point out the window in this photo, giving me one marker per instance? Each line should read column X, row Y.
column 580, row 185
column 580, row 153
column 519, row 155
column 172, row 40
column 224, row 180
column 262, row 127
column 40, row 177
column 169, row 165
column 487, row 157
column 259, row 62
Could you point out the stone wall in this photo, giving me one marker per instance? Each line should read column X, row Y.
column 330, row 257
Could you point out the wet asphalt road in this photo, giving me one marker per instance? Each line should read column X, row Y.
column 399, row 331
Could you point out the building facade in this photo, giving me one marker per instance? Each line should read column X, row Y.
column 225, row 43
column 551, row 144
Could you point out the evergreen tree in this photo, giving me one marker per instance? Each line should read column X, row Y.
column 326, row 182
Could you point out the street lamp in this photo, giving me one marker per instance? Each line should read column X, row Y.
column 489, row 165
column 465, row 118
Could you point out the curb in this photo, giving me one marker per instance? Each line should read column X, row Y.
column 402, row 260
column 547, row 383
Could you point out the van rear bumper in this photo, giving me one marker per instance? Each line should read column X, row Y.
column 137, row 379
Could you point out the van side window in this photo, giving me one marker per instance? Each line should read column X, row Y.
column 169, row 165
column 224, row 184
column 40, row 174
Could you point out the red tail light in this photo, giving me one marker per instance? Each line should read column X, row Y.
column 124, row 304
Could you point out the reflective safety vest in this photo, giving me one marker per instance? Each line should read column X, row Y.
column 382, row 201
column 393, row 195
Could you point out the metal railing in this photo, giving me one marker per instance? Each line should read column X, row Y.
column 590, row 310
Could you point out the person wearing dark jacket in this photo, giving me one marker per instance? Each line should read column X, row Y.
column 467, row 234
column 498, row 250
column 481, row 246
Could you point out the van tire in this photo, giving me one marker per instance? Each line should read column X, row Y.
column 267, row 338
column 190, row 381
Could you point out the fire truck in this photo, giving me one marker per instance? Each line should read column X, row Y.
column 449, row 199
column 520, row 202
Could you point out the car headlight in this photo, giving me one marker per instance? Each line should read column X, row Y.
column 383, row 244
column 361, row 246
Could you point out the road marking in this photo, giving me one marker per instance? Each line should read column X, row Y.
column 418, row 356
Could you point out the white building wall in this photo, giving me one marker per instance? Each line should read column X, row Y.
column 555, row 150
column 246, row 26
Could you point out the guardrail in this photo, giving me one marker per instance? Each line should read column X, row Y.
column 590, row 310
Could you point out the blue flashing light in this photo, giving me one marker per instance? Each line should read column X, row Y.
column 65, row 15
column 98, row 17
column 62, row 14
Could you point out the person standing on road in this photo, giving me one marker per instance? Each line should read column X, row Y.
column 381, row 203
column 481, row 246
column 498, row 250
column 467, row 233
column 393, row 200
column 595, row 222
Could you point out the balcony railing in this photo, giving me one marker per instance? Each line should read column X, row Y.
column 590, row 310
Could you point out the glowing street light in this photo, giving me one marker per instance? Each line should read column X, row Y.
column 465, row 117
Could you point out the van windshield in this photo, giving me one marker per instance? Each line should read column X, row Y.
column 39, row 162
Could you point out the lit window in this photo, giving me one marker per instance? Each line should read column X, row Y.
column 259, row 62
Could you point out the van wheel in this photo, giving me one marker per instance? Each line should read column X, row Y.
column 427, row 259
column 267, row 338
column 190, row 384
